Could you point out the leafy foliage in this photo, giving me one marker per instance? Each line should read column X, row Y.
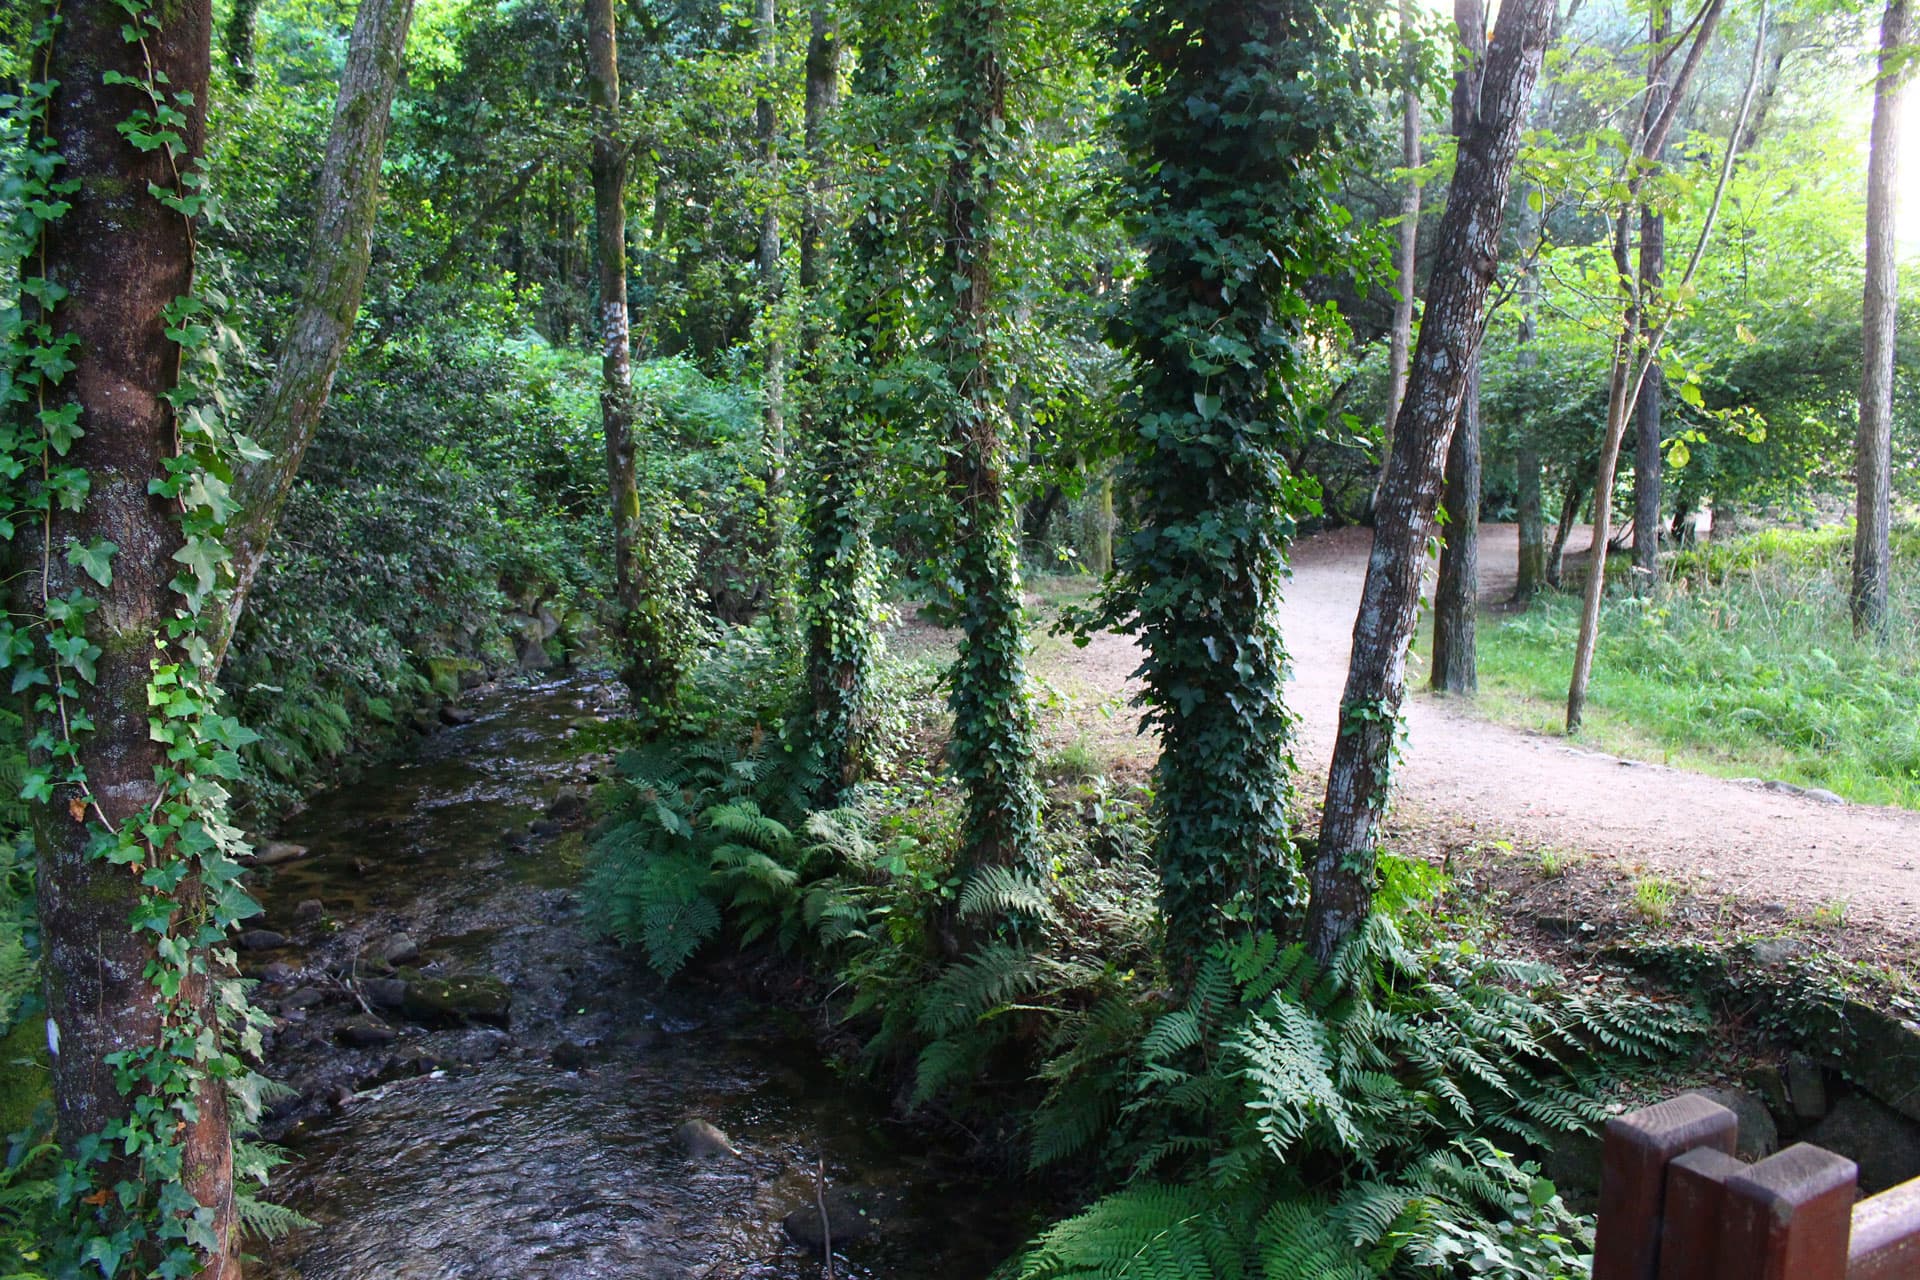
column 1228, row 190
column 1355, row 1120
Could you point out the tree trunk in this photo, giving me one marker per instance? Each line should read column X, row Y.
column 1358, row 779
column 993, row 722
column 1406, row 249
column 1647, row 459
column 236, row 41
column 840, row 617
column 1570, row 501
column 1647, row 456
column 123, row 258
column 1456, row 595
column 1531, row 569
column 609, row 166
column 337, row 265
column 766, row 127
column 1096, row 527
column 1873, row 446
column 1634, row 353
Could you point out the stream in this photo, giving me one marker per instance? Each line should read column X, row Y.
column 485, row 1090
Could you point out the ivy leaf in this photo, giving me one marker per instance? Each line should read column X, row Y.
column 37, row 788
column 96, row 559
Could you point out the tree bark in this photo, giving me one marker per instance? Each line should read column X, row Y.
column 337, row 264
column 1570, row 500
column 766, row 125
column 1647, row 458
column 994, row 733
column 122, row 257
column 1358, row 779
column 1406, row 248
column 236, row 41
column 1531, row 571
column 609, row 168
column 1456, row 595
column 1873, row 445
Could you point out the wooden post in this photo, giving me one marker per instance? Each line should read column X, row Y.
column 1787, row 1217
column 1633, row 1180
column 1886, row 1235
column 1696, row 1191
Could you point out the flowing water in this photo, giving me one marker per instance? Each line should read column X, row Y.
column 547, row 1148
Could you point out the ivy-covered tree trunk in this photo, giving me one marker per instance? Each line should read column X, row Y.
column 122, row 258
column 1873, row 445
column 337, row 263
column 1359, row 777
column 1226, row 192
column 994, row 734
column 840, row 571
column 766, row 128
column 609, row 167
column 1456, row 593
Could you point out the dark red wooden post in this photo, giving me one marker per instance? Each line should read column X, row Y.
column 1696, row 1189
column 1886, row 1235
column 1633, row 1179
column 1787, row 1217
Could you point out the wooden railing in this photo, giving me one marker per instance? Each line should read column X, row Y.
column 1676, row 1205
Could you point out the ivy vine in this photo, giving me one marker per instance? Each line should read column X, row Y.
column 125, row 1191
column 1232, row 127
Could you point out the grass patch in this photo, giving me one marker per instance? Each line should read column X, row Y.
column 1743, row 663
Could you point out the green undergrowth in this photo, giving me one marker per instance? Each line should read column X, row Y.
column 1378, row 1116
column 1743, row 663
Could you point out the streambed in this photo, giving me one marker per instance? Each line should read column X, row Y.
column 485, row 1090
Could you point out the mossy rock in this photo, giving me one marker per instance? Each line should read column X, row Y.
column 444, row 674
column 456, row 1002
column 25, row 1075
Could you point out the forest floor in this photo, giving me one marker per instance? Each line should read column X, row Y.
column 1560, row 833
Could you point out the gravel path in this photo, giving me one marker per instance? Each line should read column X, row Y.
column 1465, row 779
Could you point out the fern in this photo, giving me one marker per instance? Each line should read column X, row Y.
column 1392, row 1081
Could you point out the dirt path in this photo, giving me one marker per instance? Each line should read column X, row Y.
column 1466, row 780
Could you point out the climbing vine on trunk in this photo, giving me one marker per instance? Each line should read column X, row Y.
column 118, row 471
column 994, row 733
column 1227, row 189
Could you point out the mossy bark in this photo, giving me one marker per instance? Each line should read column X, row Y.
column 1358, row 778
column 337, row 262
column 123, row 257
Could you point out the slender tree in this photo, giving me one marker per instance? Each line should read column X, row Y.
column 609, row 167
column 133, row 1023
column 1635, row 348
column 767, row 253
column 994, row 733
column 1647, row 457
column 1358, row 779
column 1407, row 242
column 1456, row 593
column 1873, row 445
column 337, row 262
column 1530, row 504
